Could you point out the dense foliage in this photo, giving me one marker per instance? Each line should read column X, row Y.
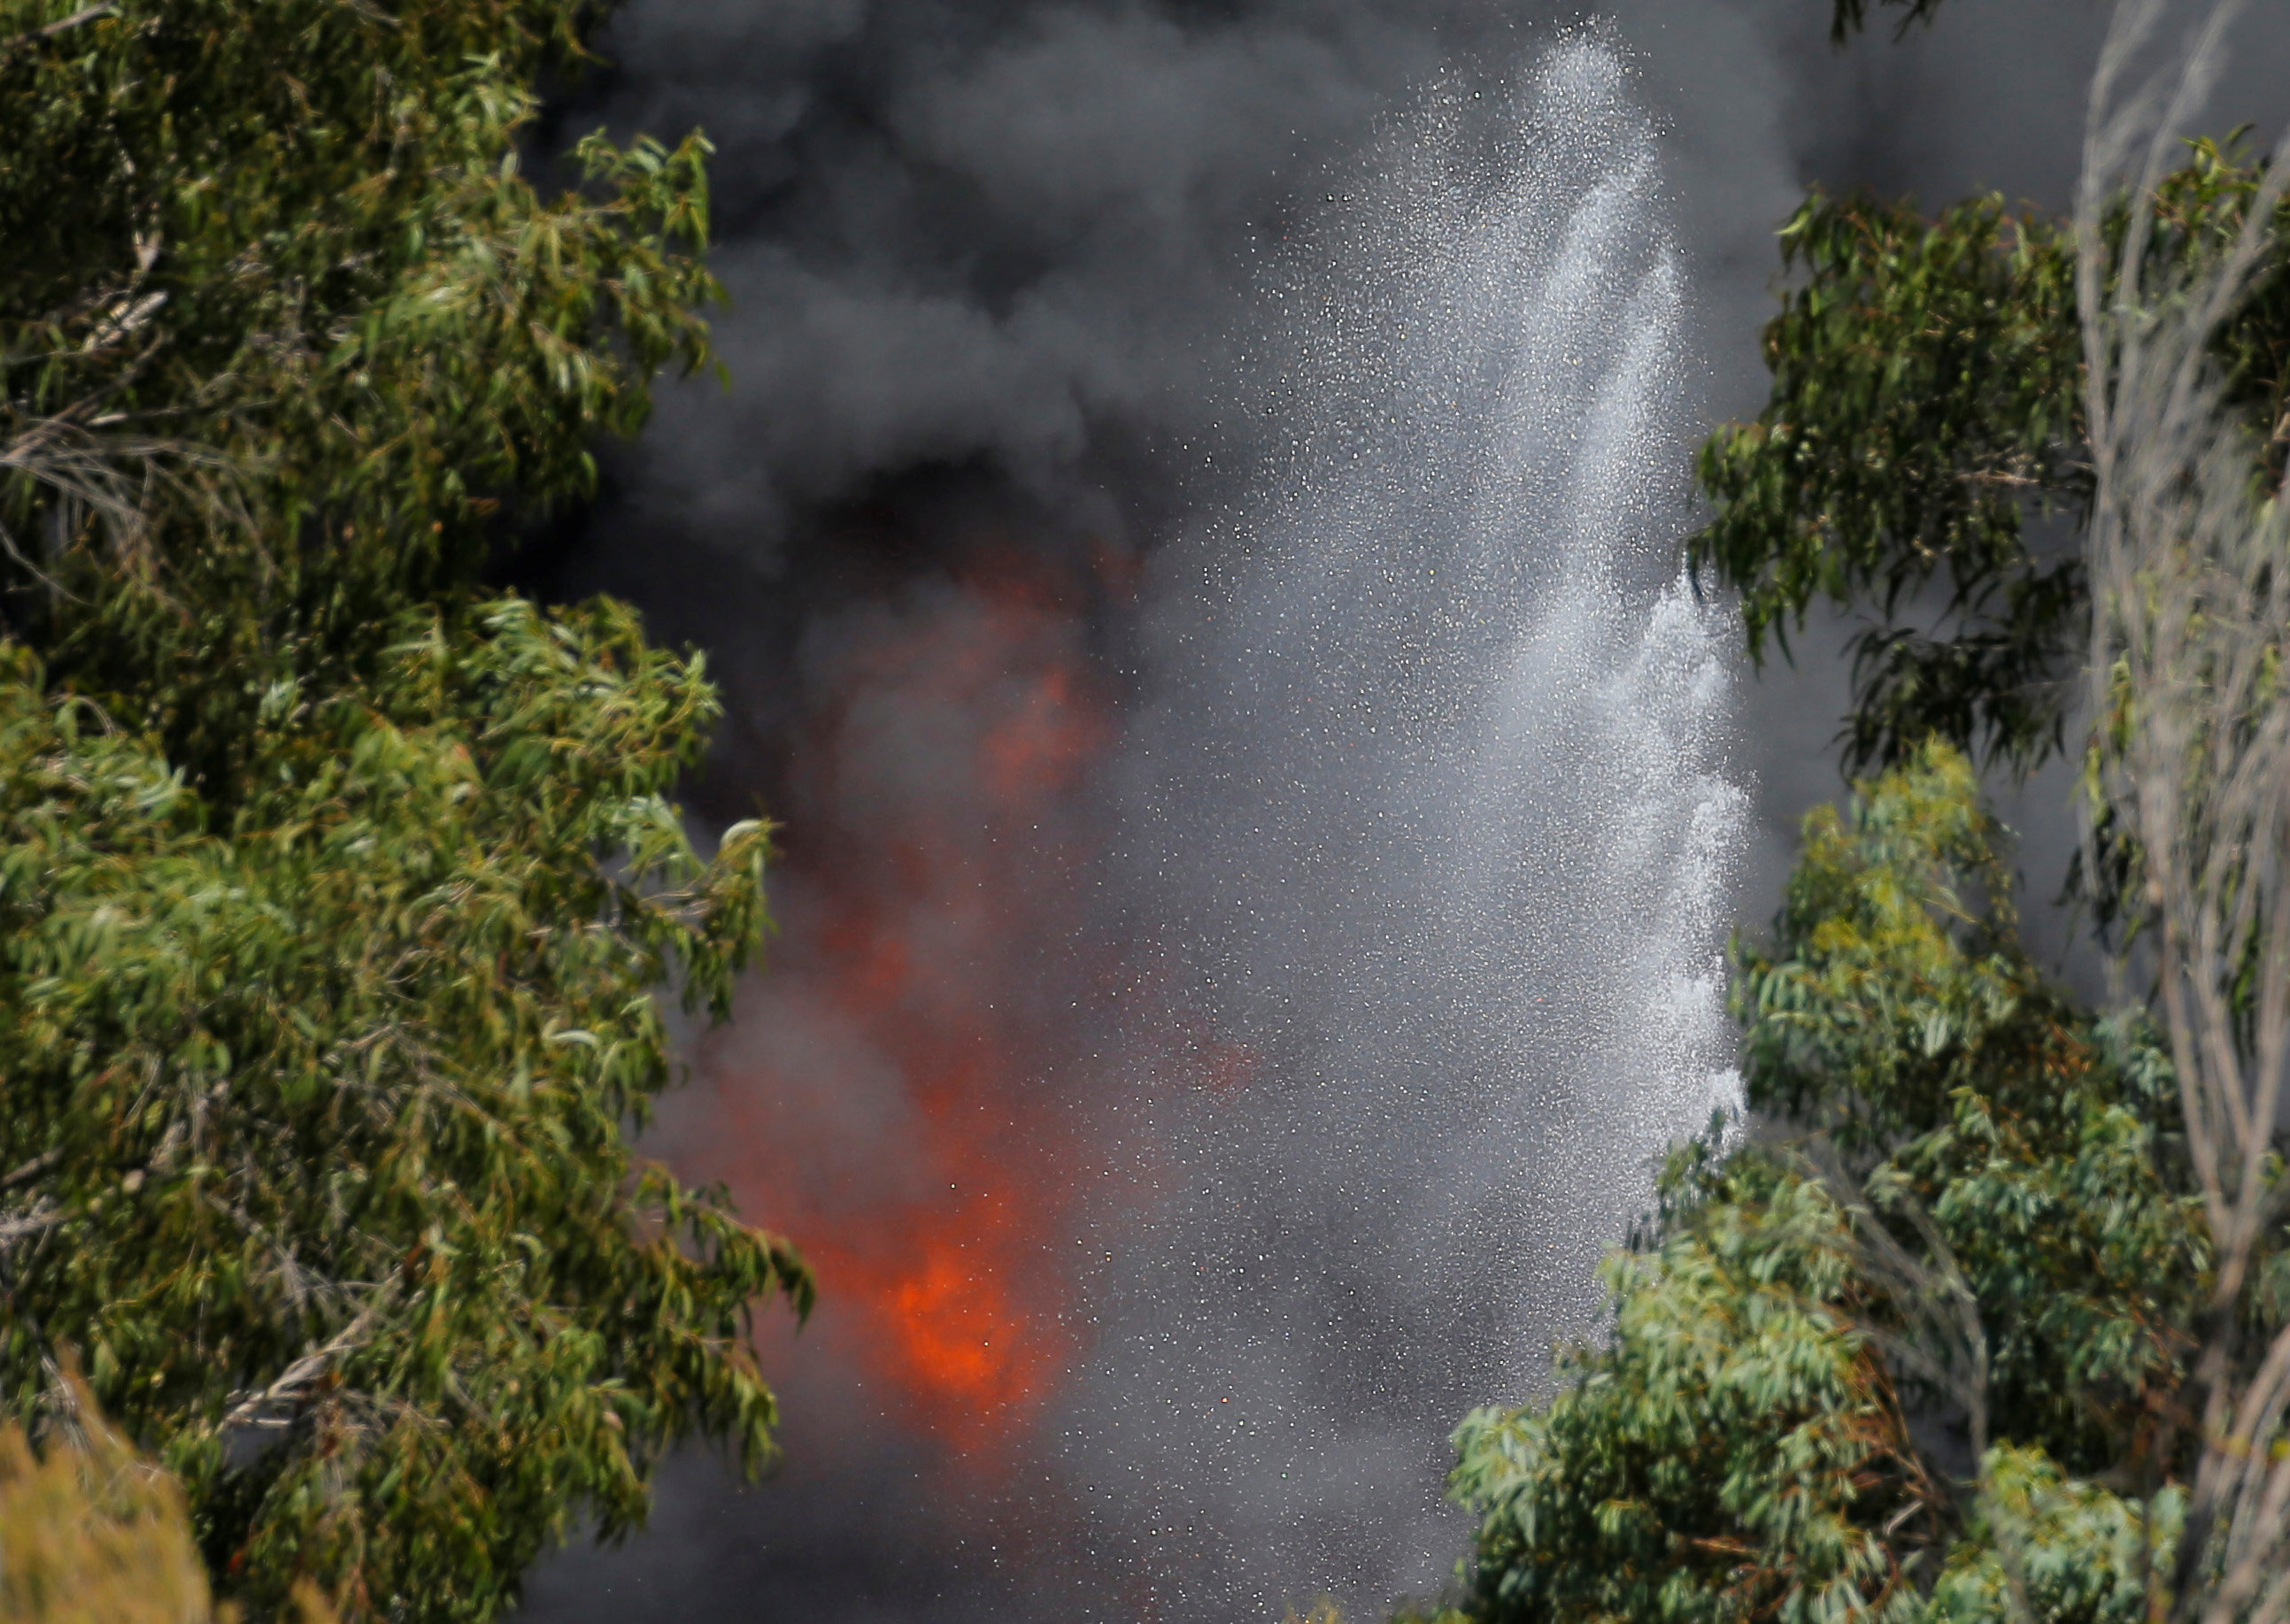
column 90, row 1532
column 1921, row 461
column 283, row 328
column 1908, row 1351
column 1984, row 1311
column 335, row 890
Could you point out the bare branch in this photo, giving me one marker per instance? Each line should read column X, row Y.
column 87, row 14
column 39, row 1220
column 2190, row 626
column 31, row 1170
column 258, row 1408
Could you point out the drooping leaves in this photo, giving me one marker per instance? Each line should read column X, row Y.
column 1921, row 461
column 327, row 1106
column 336, row 894
column 1777, row 1423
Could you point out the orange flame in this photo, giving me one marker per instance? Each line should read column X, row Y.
column 884, row 1086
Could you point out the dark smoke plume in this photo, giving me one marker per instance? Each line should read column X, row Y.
column 997, row 273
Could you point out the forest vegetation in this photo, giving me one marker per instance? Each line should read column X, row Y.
column 339, row 889
column 1980, row 1313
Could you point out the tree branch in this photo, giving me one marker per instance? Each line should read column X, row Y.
column 84, row 14
column 250, row 1409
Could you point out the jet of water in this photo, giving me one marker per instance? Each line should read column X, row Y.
column 1428, row 813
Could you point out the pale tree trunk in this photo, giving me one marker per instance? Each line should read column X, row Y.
column 2190, row 775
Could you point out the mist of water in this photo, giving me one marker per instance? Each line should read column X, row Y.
column 1429, row 818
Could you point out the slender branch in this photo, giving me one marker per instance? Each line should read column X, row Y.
column 37, row 1221
column 251, row 1409
column 88, row 14
column 2191, row 623
column 31, row 1170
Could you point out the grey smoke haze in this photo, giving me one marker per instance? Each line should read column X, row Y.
column 1009, row 245
column 998, row 284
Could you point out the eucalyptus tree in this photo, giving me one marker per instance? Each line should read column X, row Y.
column 1902, row 1354
column 1924, row 461
column 337, row 890
column 2189, row 774
column 1985, row 1311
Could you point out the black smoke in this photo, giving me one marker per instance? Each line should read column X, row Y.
column 995, row 270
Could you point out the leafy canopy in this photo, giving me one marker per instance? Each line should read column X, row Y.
column 336, row 891
column 95, row 1534
column 1969, row 1325
column 284, row 328
column 1921, row 461
column 1902, row 1358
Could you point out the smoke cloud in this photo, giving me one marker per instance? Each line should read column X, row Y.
column 1008, row 317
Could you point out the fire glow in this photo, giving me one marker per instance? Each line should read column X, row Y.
column 887, row 1089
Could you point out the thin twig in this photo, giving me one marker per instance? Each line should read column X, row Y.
column 31, row 1170
column 250, row 1410
column 88, row 14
